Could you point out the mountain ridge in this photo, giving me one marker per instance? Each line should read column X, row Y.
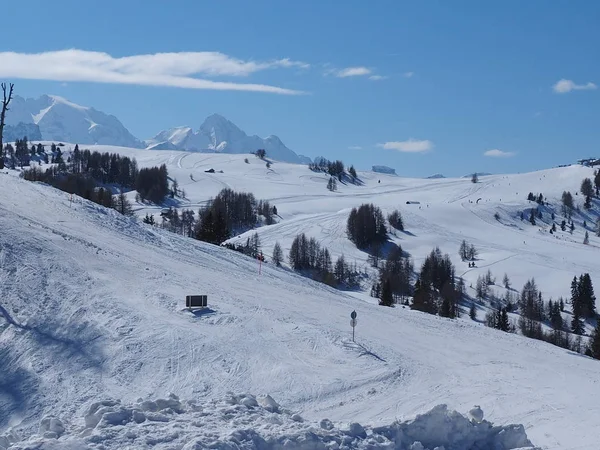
column 62, row 120
column 217, row 134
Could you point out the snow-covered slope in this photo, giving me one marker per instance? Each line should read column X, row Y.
column 219, row 135
column 62, row 120
column 96, row 305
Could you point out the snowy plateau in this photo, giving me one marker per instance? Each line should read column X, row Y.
column 98, row 352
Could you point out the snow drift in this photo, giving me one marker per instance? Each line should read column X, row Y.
column 247, row 422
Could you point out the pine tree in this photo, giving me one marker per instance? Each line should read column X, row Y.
column 595, row 342
column 123, row 205
column 576, row 324
column 586, row 239
column 387, row 298
column 277, row 254
column 332, row 184
column 149, row 219
column 532, row 216
column 472, row 311
column 503, row 322
column 506, row 281
column 567, row 201
column 462, row 251
column 587, row 299
column 587, row 189
column 352, row 171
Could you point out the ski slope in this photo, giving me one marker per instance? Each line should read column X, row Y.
column 448, row 212
column 92, row 305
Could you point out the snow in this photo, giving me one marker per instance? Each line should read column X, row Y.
column 92, row 312
column 217, row 134
column 239, row 422
column 62, row 120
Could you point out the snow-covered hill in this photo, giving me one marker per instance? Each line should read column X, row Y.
column 95, row 301
column 62, row 120
column 219, row 135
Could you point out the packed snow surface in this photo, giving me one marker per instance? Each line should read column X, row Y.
column 92, row 309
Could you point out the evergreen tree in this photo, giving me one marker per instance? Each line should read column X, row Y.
column 576, row 324
column 332, row 184
column 506, row 281
column 149, row 219
column 277, row 254
column 123, row 205
column 597, row 182
column 586, row 239
column 595, row 342
column 352, row 172
column 423, row 298
column 395, row 220
column 387, row 298
column 587, row 299
column 462, row 251
column 503, row 321
column 472, row 311
column 567, row 201
column 587, row 189
column 532, row 216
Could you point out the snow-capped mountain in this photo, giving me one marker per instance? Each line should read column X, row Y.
column 219, row 135
column 62, row 120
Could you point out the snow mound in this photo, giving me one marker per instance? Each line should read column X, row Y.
column 244, row 422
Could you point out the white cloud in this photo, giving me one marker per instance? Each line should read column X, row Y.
column 159, row 69
column 409, row 146
column 408, row 74
column 563, row 86
column 496, row 153
column 377, row 77
column 355, row 147
column 352, row 72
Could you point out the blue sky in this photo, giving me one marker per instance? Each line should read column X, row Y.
column 430, row 86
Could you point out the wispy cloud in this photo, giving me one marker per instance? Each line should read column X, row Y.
column 408, row 74
column 159, row 69
column 352, row 72
column 355, row 147
column 409, row 146
column 563, row 86
column 497, row 153
column 377, row 77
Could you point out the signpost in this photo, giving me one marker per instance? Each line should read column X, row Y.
column 353, row 322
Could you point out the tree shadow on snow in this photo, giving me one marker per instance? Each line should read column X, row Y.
column 51, row 343
column 363, row 351
column 17, row 386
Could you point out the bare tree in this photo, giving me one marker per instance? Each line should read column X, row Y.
column 5, row 101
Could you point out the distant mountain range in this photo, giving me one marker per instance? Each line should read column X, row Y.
column 61, row 120
column 219, row 135
column 57, row 119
